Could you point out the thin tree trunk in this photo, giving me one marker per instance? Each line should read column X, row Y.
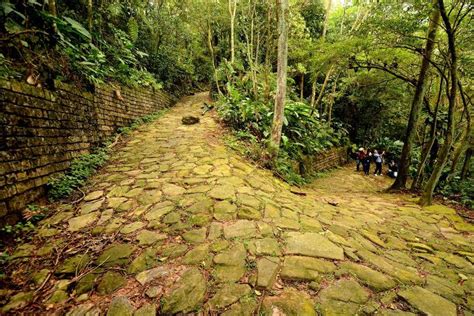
column 313, row 92
column 211, row 51
column 232, row 10
column 321, row 92
column 331, row 101
column 326, row 18
column 53, row 12
column 302, row 87
column 427, row 196
column 466, row 164
column 419, row 174
column 89, row 15
column 282, row 7
column 401, row 180
column 465, row 138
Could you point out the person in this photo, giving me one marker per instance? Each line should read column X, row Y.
column 378, row 159
column 360, row 157
column 392, row 169
column 366, row 161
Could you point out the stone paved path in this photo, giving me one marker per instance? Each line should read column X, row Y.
column 177, row 223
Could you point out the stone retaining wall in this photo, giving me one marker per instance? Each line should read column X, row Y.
column 326, row 160
column 42, row 131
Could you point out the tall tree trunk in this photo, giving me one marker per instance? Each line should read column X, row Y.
column 232, row 10
column 321, row 92
column 282, row 7
column 326, row 18
column 401, row 180
column 331, row 101
column 426, row 151
column 302, row 87
column 313, row 91
column 466, row 137
column 467, row 161
column 53, row 11
column 211, row 51
column 428, row 190
column 89, row 15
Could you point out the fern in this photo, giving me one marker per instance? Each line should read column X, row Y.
column 133, row 29
column 115, row 9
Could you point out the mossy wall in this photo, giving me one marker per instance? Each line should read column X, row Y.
column 42, row 131
column 325, row 160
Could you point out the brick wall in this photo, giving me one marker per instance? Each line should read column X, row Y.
column 42, row 131
column 326, row 160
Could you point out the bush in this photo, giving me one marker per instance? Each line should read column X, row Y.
column 302, row 134
column 458, row 190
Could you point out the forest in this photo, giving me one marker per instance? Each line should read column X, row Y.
column 291, row 78
column 201, row 157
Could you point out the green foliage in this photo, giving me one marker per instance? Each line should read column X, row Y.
column 458, row 190
column 20, row 229
column 79, row 171
column 303, row 133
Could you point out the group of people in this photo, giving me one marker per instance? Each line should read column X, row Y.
column 365, row 157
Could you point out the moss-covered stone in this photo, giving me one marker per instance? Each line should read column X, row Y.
column 313, row 245
column 74, row 264
column 144, row 261
column 372, row 278
column 120, row 306
column 187, row 294
column 115, row 254
column 289, row 302
column 110, row 282
column 228, row 294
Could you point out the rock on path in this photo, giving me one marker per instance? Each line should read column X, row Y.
column 178, row 223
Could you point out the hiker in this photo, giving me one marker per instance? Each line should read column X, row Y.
column 378, row 159
column 360, row 155
column 366, row 161
column 392, row 169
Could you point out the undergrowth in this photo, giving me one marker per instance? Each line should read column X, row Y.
column 247, row 145
column 86, row 165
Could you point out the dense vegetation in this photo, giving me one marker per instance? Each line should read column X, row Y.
column 387, row 75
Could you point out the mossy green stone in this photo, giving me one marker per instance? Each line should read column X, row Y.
column 146, row 237
column 39, row 276
column 58, row 296
column 18, row 300
column 289, row 302
column 110, row 282
column 120, row 306
column 85, row 284
column 173, row 250
column 115, row 254
column 374, row 279
column 187, row 294
column 195, row 236
column 228, row 294
column 74, row 264
column 146, row 310
column 146, row 260
column 313, row 245
column 197, row 255
column 345, row 291
column 427, row 302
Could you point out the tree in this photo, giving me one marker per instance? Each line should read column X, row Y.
column 401, row 180
column 278, row 112
column 450, row 31
column 232, row 10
